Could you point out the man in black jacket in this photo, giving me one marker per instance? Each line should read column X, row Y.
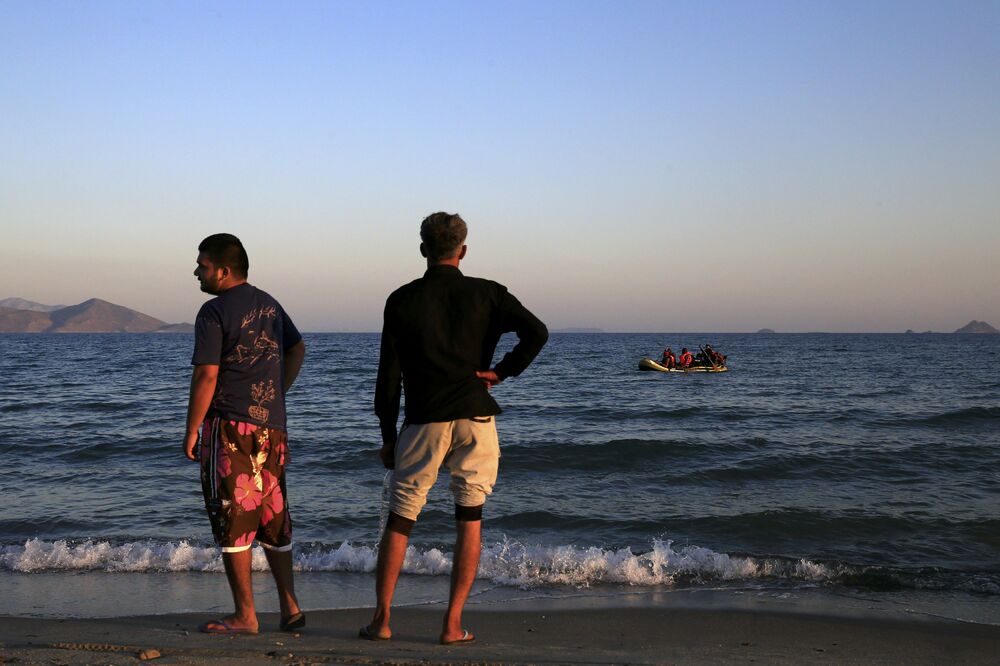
column 438, row 338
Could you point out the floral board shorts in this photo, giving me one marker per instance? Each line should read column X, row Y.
column 243, row 480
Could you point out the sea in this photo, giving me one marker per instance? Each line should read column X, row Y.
column 854, row 471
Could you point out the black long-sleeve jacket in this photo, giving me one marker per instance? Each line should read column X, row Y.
column 437, row 332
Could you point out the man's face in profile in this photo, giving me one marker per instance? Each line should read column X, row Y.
column 208, row 275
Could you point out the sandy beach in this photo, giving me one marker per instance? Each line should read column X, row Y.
column 605, row 636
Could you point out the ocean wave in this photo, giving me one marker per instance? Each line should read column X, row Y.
column 508, row 562
column 711, row 461
column 966, row 416
column 612, row 414
column 845, row 465
column 38, row 556
column 523, row 565
column 970, row 415
column 18, row 407
column 625, row 450
column 104, row 406
column 610, row 455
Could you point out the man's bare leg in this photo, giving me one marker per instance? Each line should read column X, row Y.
column 281, row 568
column 240, row 584
column 391, row 553
column 463, row 575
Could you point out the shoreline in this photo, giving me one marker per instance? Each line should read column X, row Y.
column 525, row 635
column 106, row 595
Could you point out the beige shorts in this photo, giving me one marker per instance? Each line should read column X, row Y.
column 469, row 448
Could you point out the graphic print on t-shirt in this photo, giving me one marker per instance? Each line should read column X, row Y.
column 245, row 331
column 261, row 395
column 263, row 346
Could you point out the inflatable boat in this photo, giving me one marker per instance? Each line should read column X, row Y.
column 650, row 364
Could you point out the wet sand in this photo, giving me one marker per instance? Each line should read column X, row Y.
column 539, row 636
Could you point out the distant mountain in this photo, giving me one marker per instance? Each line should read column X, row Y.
column 977, row 327
column 23, row 321
column 766, row 331
column 22, row 304
column 97, row 316
column 93, row 316
column 577, row 330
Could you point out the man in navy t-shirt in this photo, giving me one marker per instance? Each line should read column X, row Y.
column 247, row 353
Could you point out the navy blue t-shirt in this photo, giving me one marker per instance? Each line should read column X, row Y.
column 245, row 331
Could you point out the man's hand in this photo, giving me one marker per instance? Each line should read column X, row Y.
column 294, row 356
column 387, row 454
column 489, row 378
column 203, row 380
column 190, row 443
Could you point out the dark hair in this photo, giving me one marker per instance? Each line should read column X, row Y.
column 442, row 234
column 226, row 250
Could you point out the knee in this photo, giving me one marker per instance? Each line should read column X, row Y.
column 468, row 513
column 399, row 524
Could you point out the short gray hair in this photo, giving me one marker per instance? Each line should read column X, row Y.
column 443, row 234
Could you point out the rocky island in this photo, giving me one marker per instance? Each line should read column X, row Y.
column 979, row 327
column 973, row 327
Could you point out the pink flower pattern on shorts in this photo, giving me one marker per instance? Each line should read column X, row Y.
column 245, row 539
column 274, row 502
column 268, row 482
column 245, row 496
column 282, row 450
column 244, row 428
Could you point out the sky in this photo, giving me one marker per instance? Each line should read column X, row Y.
column 624, row 165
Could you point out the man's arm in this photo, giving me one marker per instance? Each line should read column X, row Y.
column 203, row 380
column 531, row 337
column 294, row 356
column 388, row 391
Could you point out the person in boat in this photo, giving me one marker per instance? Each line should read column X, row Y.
column 686, row 359
column 713, row 357
column 668, row 361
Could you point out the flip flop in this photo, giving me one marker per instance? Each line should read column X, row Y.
column 366, row 633
column 294, row 622
column 467, row 638
column 224, row 628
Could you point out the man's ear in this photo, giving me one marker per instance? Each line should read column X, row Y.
column 226, row 272
column 423, row 251
column 461, row 255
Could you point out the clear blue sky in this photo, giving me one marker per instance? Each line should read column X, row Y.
column 644, row 166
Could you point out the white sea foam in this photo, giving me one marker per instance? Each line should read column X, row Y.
column 506, row 563
column 37, row 556
column 513, row 563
